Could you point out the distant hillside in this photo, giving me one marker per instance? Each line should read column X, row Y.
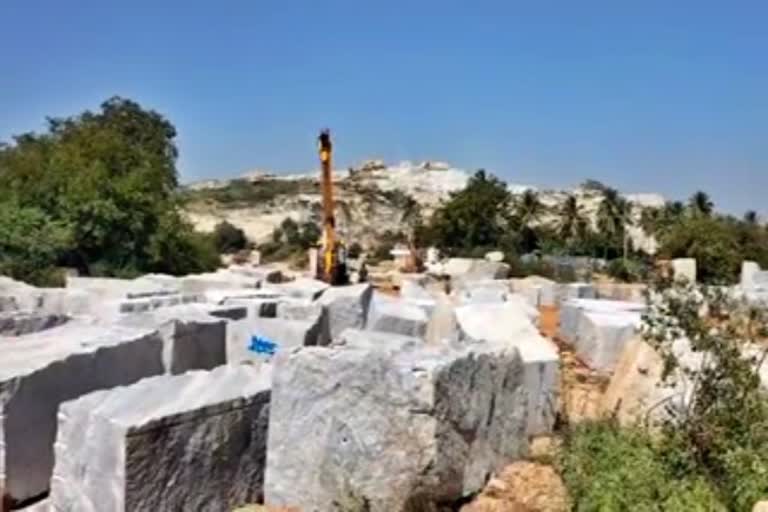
column 370, row 199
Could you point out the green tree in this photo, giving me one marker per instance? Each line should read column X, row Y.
column 614, row 215
column 701, row 204
column 110, row 176
column 29, row 242
column 572, row 225
column 711, row 241
column 229, row 238
column 477, row 216
column 750, row 217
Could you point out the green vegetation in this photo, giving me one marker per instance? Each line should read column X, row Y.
column 707, row 451
column 608, row 468
column 242, row 193
column 96, row 192
column 719, row 243
column 291, row 241
column 228, row 238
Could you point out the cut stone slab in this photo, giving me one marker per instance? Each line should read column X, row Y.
column 19, row 323
column 40, row 371
column 468, row 269
column 347, row 307
column 628, row 292
column 284, row 332
column 303, row 288
column 510, row 325
column 575, row 291
column 684, row 269
column 396, row 317
column 222, row 280
column 485, row 291
column 546, row 290
column 601, row 337
column 193, row 339
column 571, row 311
column 190, row 442
column 391, row 427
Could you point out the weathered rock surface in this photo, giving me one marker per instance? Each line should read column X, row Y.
column 40, row 371
column 511, row 324
column 191, row 442
column 391, row 424
column 347, row 307
column 396, row 316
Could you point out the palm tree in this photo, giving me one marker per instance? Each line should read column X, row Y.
column 701, row 204
column 750, row 217
column 528, row 208
column 572, row 226
column 614, row 215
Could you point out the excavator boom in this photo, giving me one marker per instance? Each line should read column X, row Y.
column 332, row 262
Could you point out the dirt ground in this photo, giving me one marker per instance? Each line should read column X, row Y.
column 580, row 388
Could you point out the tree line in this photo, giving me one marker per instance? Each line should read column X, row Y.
column 485, row 216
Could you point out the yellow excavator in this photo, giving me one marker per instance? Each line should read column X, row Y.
column 332, row 260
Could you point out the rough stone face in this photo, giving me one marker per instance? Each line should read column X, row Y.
column 511, row 324
column 190, row 442
column 40, row 371
column 391, row 425
column 347, row 307
column 396, row 317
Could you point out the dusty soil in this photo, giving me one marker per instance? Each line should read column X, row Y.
column 523, row 487
column 581, row 389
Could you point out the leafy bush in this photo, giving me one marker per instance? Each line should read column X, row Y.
column 228, row 238
column 720, row 426
column 290, row 241
column 627, row 270
column 606, row 467
column 355, row 250
column 30, row 243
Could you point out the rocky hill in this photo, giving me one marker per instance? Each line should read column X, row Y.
column 371, row 199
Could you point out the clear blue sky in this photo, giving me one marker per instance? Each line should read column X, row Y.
column 667, row 96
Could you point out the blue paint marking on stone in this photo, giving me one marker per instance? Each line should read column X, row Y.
column 262, row 346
